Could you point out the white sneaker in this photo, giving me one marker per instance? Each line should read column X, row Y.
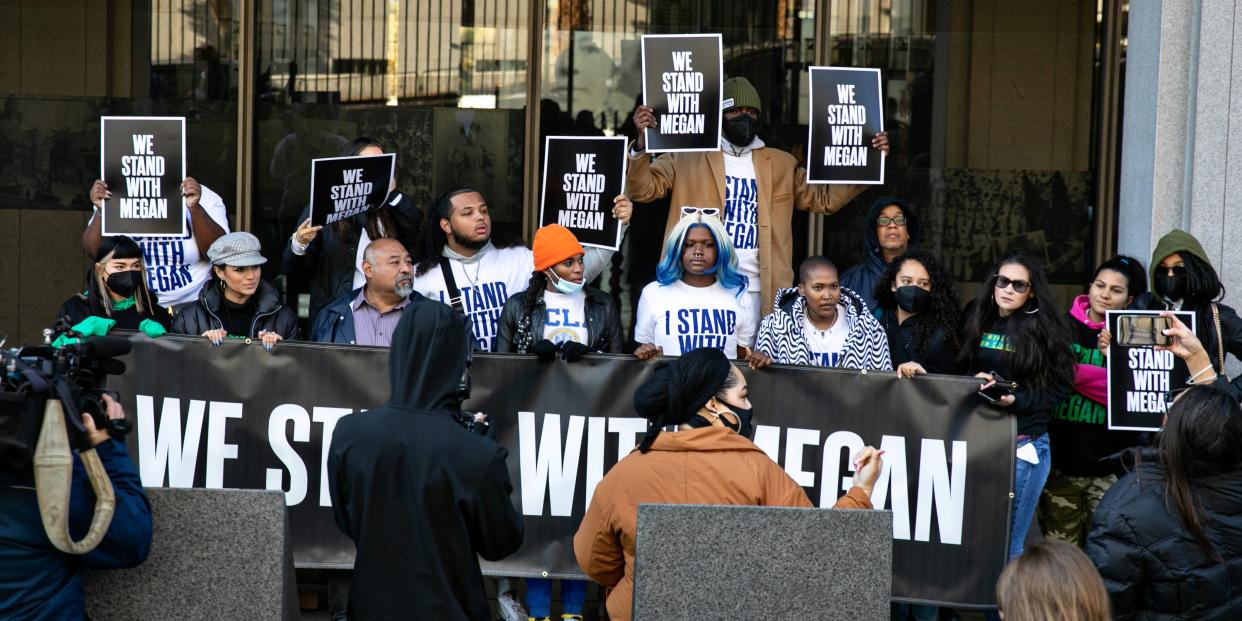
column 510, row 608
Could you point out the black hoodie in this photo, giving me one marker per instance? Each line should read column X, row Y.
column 863, row 278
column 418, row 494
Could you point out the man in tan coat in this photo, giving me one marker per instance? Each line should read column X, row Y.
column 757, row 187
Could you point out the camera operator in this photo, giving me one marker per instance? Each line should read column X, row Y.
column 421, row 497
column 37, row 581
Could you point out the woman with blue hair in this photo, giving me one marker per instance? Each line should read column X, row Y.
column 699, row 296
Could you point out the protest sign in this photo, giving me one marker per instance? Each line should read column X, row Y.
column 948, row 457
column 142, row 159
column 581, row 177
column 683, row 77
column 1139, row 376
column 343, row 187
column 846, row 113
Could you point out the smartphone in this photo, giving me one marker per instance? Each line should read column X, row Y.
column 999, row 389
column 1142, row 330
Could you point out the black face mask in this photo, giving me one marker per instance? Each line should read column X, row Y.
column 1171, row 287
column 744, row 416
column 741, row 129
column 912, row 299
column 123, row 284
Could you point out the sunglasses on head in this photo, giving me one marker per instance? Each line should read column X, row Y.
column 1019, row 286
column 711, row 212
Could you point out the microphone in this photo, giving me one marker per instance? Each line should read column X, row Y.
column 103, row 347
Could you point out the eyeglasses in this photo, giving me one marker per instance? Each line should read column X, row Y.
column 1019, row 286
column 711, row 212
column 885, row 221
column 1172, row 395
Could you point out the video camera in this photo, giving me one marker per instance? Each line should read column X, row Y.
column 44, row 391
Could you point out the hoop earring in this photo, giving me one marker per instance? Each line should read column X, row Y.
column 1032, row 312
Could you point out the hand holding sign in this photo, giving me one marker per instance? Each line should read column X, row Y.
column 1188, row 347
column 192, row 192
column 99, row 193
column 644, row 119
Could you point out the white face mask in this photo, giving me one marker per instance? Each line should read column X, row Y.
column 564, row 286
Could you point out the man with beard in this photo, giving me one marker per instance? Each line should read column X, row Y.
column 483, row 271
column 757, row 187
column 422, row 497
column 369, row 314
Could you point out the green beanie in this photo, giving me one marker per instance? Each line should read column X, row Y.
column 742, row 93
column 1175, row 241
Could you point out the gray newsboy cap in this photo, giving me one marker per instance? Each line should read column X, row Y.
column 237, row 249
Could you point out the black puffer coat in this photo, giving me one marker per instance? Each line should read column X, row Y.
column 198, row 317
column 1151, row 564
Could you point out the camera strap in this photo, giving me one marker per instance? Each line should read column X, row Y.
column 450, row 284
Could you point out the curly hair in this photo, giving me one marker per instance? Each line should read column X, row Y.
column 1040, row 337
column 432, row 239
column 942, row 314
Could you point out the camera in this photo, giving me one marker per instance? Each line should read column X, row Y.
column 73, row 373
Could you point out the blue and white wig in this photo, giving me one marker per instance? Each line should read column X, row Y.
column 669, row 271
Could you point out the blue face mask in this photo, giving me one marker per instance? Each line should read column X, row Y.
column 564, row 286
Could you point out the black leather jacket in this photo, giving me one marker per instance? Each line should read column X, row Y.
column 515, row 336
column 198, row 317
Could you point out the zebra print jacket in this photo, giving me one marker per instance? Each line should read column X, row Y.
column 781, row 337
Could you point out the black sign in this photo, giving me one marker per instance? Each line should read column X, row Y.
column 1139, row 377
column 846, row 113
column 237, row 416
column 142, row 159
column 343, row 187
column 683, row 77
column 581, row 177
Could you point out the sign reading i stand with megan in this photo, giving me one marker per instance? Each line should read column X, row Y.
column 581, row 177
column 343, row 187
column 142, row 159
column 1138, row 375
column 683, row 77
column 846, row 113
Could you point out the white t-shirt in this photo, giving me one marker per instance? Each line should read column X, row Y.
column 741, row 213
column 827, row 347
column 566, row 317
column 176, row 271
column 485, row 285
column 679, row 318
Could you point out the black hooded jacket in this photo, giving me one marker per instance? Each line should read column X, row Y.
column 1150, row 562
column 418, row 494
column 863, row 278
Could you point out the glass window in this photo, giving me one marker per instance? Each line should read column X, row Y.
column 592, row 81
column 990, row 109
column 63, row 67
column 442, row 84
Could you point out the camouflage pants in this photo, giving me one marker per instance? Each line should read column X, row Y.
column 1066, row 505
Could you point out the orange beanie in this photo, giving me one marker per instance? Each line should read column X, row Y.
column 553, row 244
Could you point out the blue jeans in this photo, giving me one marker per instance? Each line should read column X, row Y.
column 1028, row 483
column 539, row 597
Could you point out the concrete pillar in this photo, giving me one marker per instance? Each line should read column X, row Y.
column 1181, row 156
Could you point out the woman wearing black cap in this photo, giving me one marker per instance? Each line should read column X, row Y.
column 117, row 291
column 706, row 397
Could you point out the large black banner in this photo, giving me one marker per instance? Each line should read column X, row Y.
column 343, row 187
column 683, row 78
column 1139, row 377
column 237, row 416
column 142, row 159
column 846, row 113
column 581, row 177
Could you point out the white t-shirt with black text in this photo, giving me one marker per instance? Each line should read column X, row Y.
column 741, row 213
column 485, row 286
column 679, row 318
column 828, row 346
column 176, row 270
column 565, row 318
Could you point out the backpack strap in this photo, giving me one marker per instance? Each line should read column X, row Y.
column 450, row 283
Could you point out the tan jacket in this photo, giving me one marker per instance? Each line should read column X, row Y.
column 698, row 179
column 708, row 466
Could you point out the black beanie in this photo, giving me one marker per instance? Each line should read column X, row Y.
column 677, row 390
